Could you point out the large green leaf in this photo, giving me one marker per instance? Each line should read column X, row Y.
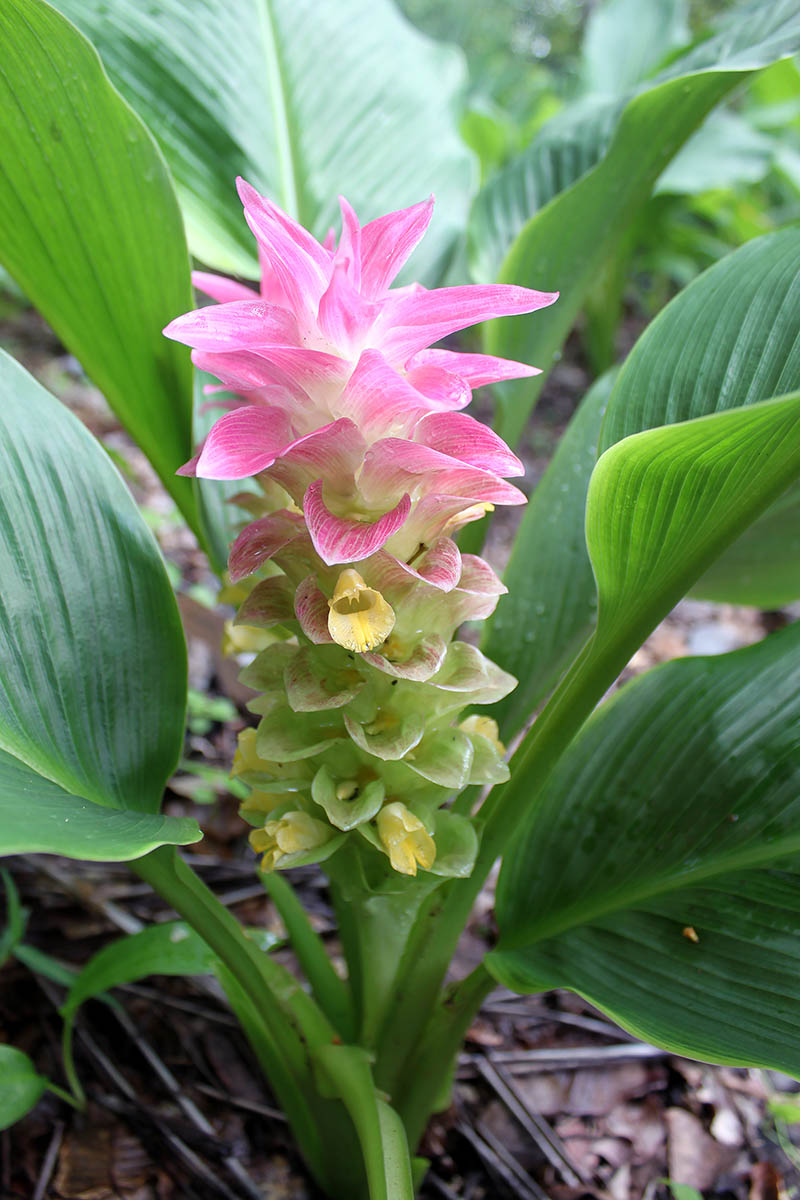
column 659, row 874
column 39, row 817
column 304, row 99
column 93, row 689
column 90, row 228
column 728, row 340
column 731, row 338
column 565, row 245
column 551, row 605
column 625, row 40
column 662, row 505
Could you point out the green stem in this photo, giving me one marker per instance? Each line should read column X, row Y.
column 435, row 935
column 330, row 991
column 292, row 1018
column 345, row 1072
column 419, row 1092
column 65, row 1096
column 68, row 1059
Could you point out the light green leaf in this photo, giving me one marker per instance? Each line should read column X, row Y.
column 22, row 1086
column 627, row 39
column 658, row 874
column 565, row 245
column 726, row 152
column 305, row 100
column 551, row 605
column 39, row 817
column 91, row 230
column 93, row 689
column 729, row 339
column 169, row 949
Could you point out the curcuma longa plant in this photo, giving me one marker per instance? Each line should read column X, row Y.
column 648, row 843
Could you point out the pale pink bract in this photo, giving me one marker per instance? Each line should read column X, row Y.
column 343, row 403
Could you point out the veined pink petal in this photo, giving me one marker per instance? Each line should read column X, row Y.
column 310, row 368
column 447, row 390
column 259, row 540
column 330, row 240
column 341, row 539
column 423, row 662
column 300, row 264
column 333, row 453
column 254, row 202
column 311, row 609
column 464, row 438
column 410, row 323
column 238, row 325
column 246, row 372
column 349, row 252
column 430, row 514
column 219, row 288
column 392, row 465
column 243, row 442
column 344, row 315
column 477, row 370
column 387, row 242
column 439, row 566
column 378, row 399
column 478, row 577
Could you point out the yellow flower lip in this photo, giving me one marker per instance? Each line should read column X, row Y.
column 359, row 618
column 405, row 839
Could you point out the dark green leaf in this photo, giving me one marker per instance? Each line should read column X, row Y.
column 565, row 244
column 93, row 690
column 90, row 228
column 304, row 99
column 659, row 873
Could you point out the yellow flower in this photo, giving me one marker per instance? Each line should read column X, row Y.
column 486, row 727
column 359, row 618
column 245, row 639
column 405, row 838
column 293, row 832
column 246, row 757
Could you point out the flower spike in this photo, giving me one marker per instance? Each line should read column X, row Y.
column 350, row 423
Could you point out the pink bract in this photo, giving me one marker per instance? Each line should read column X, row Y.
column 342, row 400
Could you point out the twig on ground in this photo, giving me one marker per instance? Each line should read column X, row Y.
column 501, row 1163
column 534, row 1125
column 49, row 1161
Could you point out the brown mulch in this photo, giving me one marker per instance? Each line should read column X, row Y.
column 551, row 1099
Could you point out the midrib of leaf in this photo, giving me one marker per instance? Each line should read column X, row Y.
column 290, row 195
column 575, row 916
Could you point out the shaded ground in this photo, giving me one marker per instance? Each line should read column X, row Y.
column 551, row 1099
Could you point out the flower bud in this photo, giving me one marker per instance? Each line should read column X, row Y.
column 405, row 839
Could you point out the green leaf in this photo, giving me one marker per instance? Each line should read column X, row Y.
column 729, row 339
column 22, row 1085
column 305, row 100
column 91, row 230
column 627, row 39
column 39, row 817
column 565, row 244
column 169, row 949
column 551, row 606
column 662, row 505
column 16, row 919
column 658, row 874
column 93, row 690
column 726, row 152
